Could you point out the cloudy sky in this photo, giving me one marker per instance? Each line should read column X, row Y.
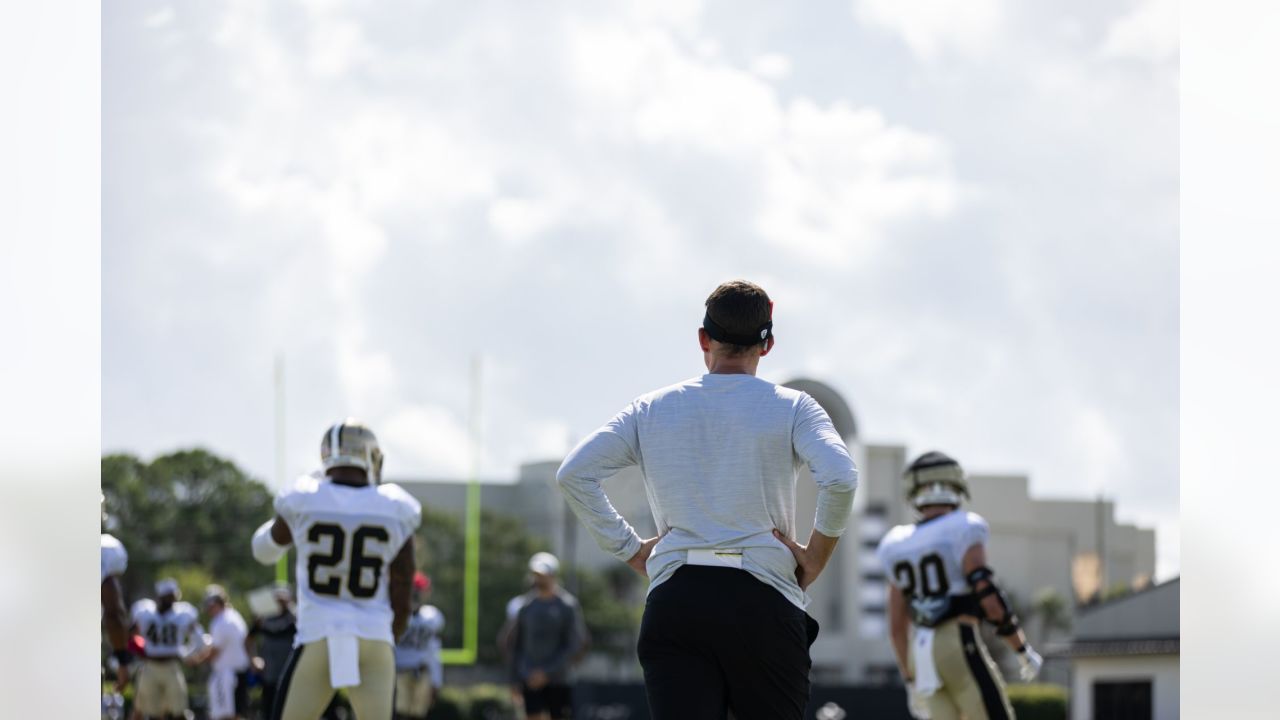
column 966, row 212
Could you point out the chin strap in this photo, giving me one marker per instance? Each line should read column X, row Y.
column 982, row 580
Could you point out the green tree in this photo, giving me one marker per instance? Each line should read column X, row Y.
column 190, row 514
column 505, row 548
column 186, row 508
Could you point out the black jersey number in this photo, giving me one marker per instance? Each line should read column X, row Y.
column 360, row 562
column 163, row 634
column 931, row 584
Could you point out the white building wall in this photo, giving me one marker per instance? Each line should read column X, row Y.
column 1161, row 670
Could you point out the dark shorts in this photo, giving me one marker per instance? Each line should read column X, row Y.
column 556, row 700
column 242, row 693
column 716, row 639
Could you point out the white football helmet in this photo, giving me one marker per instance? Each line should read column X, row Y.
column 351, row 443
column 935, row 479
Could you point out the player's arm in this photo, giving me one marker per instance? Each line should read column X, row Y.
column 115, row 615
column 816, row 442
column 600, row 456
column 401, row 588
column 995, row 609
column 507, row 638
column 271, row 541
column 899, row 628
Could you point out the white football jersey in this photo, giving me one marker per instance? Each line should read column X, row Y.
column 420, row 645
column 346, row 538
column 926, row 559
column 167, row 633
column 114, row 558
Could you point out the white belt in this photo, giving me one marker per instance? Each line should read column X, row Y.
column 344, row 660
column 715, row 557
column 927, row 681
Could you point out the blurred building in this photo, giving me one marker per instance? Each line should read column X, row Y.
column 1070, row 548
column 1124, row 657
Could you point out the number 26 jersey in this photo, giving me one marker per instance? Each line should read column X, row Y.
column 346, row 538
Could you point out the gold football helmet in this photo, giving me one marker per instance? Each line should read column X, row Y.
column 935, row 479
column 350, row 443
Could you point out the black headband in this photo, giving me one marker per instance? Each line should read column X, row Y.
column 719, row 334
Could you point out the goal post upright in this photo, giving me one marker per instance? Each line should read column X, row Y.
column 466, row 655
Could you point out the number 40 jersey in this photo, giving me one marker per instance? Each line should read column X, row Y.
column 346, row 538
column 925, row 561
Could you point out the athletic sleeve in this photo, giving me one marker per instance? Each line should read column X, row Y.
column 410, row 512
column 140, row 609
column 975, row 532
column 115, row 560
column 597, row 458
column 817, row 443
column 286, row 506
column 882, row 557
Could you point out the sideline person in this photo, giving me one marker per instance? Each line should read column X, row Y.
column 724, row 627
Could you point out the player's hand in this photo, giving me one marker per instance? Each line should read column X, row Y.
column 916, row 703
column 1029, row 662
column 259, row 664
column 537, row 680
column 808, row 564
column 637, row 561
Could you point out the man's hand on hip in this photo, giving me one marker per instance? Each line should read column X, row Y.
column 811, row 558
column 637, row 561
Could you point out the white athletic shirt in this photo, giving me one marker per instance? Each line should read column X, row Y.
column 167, row 633
column 720, row 455
column 114, row 558
column 420, row 645
column 227, row 632
column 346, row 538
column 926, row 559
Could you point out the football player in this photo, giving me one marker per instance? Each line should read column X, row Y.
column 354, row 539
column 171, row 628
column 940, row 588
column 115, row 616
column 418, row 670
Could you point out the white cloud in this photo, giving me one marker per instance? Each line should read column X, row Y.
column 838, row 178
column 160, row 18
column 425, row 441
column 381, row 190
column 771, row 66
column 1148, row 32
column 517, row 219
column 933, row 28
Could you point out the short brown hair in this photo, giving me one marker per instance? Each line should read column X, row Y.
column 741, row 308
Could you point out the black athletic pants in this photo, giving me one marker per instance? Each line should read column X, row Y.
column 715, row 639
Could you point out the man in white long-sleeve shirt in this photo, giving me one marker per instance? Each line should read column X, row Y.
column 724, row 626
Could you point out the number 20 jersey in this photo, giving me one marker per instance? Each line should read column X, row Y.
column 346, row 538
column 926, row 559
